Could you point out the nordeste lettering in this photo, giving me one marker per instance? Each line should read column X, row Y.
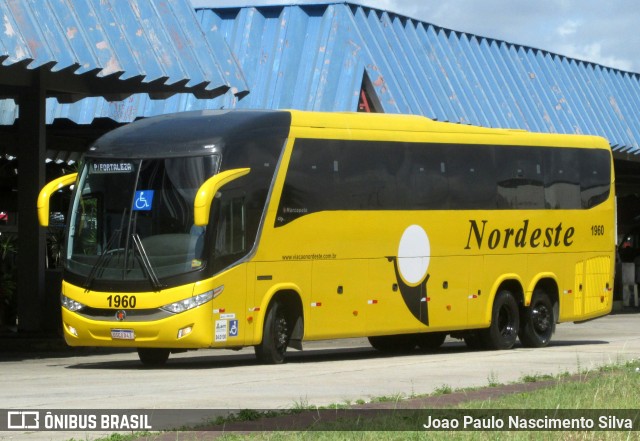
column 481, row 234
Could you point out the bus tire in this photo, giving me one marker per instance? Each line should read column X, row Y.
column 153, row 357
column 505, row 322
column 275, row 338
column 538, row 321
column 393, row 344
column 430, row 340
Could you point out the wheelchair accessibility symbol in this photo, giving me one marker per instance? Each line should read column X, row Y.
column 233, row 328
column 142, row 200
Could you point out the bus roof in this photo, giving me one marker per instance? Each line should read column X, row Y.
column 190, row 132
column 422, row 124
column 195, row 132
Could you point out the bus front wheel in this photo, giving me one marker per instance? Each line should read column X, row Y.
column 538, row 321
column 153, row 357
column 275, row 337
column 505, row 322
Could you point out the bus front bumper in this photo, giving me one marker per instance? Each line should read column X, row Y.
column 191, row 329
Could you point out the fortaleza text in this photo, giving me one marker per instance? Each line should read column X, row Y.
column 467, row 422
column 524, row 236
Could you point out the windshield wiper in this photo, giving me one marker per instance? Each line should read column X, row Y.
column 102, row 260
column 146, row 263
column 141, row 256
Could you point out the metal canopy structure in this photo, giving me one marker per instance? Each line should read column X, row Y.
column 65, row 50
column 321, row 56
column 315, row 57
column 112, row 49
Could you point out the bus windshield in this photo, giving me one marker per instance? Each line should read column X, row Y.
column 132, row 219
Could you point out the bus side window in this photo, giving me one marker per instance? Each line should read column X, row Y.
column 471, row 176
column 230, row 237
column 310, row 181
column 562, row 179
column 519, row 172
column 88, row 232
column 428, row 178
column 595, row 176
column 362, row 175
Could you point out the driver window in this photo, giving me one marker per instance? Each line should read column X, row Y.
column 230, row 238
column 87, row 236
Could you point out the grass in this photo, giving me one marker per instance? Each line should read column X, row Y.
column 611, row 387
column 493, row 379
column 445, row 389
column 603, row 389
column 535, row 378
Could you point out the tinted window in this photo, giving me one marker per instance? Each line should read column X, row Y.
column 372, row 176
column 243, row 201
column 562, row 178
column 428, row 177
column 595, row 177
column 519, row 178
column 470, row 173
column 367, row 175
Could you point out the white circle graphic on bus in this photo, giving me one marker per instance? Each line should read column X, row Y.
column 413, row 254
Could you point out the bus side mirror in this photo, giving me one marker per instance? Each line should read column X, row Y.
column 207, row 191
column 46, row 193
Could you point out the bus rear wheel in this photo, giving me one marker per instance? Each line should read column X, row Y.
column 538, row 321
column 505, row 322
column 275, row 338
column 153, row 357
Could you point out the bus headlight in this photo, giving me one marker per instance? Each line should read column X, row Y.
column 190, row 303
column 70, row 304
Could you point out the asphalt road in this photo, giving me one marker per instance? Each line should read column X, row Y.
column 324, row 373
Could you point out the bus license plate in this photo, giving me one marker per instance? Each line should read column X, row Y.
column 122, row 334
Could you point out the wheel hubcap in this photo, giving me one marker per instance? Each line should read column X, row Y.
column 281, row 334
column 541, row 318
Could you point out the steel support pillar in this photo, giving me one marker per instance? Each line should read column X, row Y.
column 31, row 237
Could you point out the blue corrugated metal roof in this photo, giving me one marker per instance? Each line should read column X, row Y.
column 315, row 57
column 152, row 41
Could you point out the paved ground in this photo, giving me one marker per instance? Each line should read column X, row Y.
column 325, row 373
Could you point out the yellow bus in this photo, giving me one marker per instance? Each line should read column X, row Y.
column 226, row 229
